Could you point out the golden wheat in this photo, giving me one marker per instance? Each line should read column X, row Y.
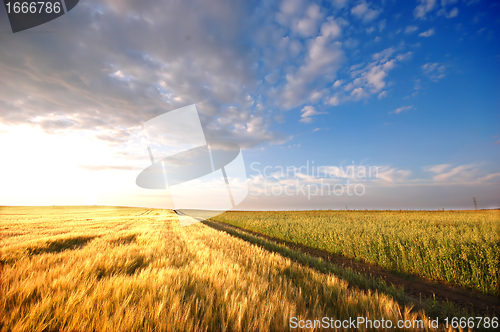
column 133, row 269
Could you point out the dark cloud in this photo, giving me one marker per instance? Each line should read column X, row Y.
column 112, row 65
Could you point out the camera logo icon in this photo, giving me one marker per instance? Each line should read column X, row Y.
column 204, row 178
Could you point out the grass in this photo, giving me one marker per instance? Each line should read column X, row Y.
column 457, row 247
column 131, row 269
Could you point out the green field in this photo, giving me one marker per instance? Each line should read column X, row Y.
column 457, row 247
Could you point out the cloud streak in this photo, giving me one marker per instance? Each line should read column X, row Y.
column 427, row 33
column 308, row 112
column 401, row 109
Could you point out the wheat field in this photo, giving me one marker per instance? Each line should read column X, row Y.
column 135, row 269
column 458, row 247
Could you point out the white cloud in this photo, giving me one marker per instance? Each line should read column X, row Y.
column 434, row 71
column 359, row 93
column 311, row 67
column 488, row 177
column 308, row 25
column 393, row 175
column 443, row 11
column 291, row 6
column 360, row 10
column 453, row 13
column 371, row 14
column 437, row 168
column 316, row 95
column 381, row 25
column 401, row 109
column 379, row 182
column 369, row 79
column 340, row 3
column 331, row 29
column 102, row 84
column 459, row 174
column 375, row 77
column 404, row 56
column 351, row 43
column 363, row 12
column 307, row 114
column 424, row 7
column 300, row 19
column 273, row 77
column 334, row 100
column 320, row 65
column 411, row 28
column 427, row 33
column 384, row 55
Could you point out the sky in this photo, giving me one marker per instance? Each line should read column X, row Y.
column 327, row 90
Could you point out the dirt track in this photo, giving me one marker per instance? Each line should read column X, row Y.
column 415, row 287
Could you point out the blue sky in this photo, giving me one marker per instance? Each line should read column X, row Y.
column 411, row 87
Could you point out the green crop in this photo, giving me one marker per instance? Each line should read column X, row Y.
column 458, row 247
